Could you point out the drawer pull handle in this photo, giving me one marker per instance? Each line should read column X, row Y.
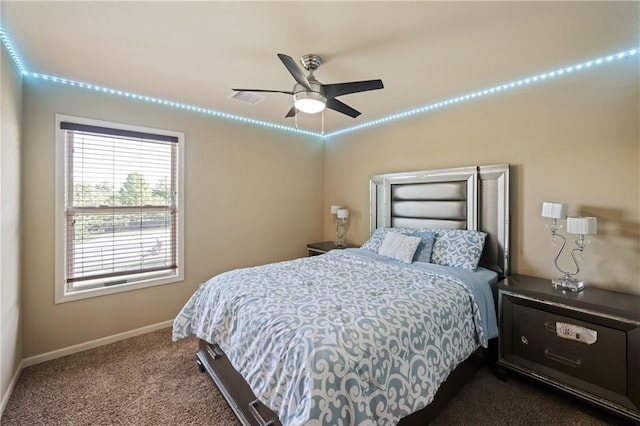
column 550, row 326
column 253, row 406
column 524, row 340
column 562, row 360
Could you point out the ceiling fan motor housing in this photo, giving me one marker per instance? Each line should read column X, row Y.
column 316, row 87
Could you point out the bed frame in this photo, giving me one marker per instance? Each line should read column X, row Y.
column 475, row 197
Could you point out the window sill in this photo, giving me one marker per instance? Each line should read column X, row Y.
column 63, row 295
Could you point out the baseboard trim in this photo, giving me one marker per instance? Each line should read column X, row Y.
column 59, row 353
column 7, row 394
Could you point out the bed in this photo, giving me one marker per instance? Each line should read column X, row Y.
column 376, row 335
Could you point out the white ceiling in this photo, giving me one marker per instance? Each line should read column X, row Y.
column 424, row 52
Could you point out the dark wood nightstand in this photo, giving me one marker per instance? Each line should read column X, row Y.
column 585, row 343
column 315, row 249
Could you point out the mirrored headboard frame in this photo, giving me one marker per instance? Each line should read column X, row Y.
column 475, row 197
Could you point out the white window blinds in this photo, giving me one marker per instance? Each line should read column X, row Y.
column 120, row 206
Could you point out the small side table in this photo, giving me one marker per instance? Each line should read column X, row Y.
column 314, row 249
column 585, row 343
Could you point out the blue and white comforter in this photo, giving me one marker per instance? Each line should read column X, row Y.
column 342, row 338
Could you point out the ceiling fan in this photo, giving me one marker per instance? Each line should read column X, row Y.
column 311, row 96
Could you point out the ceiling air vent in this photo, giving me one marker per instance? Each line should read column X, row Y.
column 248, row 97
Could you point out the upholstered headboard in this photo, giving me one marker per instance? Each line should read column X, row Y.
column 475, row 197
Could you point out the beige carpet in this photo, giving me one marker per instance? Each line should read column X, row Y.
column 148, row 380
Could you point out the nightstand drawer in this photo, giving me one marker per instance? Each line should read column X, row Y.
column 602, row 363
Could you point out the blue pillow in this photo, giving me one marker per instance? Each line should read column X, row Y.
column 375, row 241
column 458, row 248
column 423, row 252
column 427, row 239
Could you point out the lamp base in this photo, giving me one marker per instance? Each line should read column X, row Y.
column 568, row 283
column 341, row 230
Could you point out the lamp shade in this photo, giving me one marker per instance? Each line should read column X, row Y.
column 334, row 209
column 343, row 213
column 582, row 225
column 554, row 210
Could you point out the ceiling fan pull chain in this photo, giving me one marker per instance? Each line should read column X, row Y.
column 322, row 122
column 295, row 117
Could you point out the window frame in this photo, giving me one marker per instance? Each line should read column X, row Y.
column 64, row 292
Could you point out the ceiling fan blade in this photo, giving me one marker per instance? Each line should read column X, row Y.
column 262, row 90
column 339, row 89
column 291, row 113
column 295, row 70
column 336, row 105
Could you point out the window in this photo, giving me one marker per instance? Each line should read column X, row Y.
column 119, row 193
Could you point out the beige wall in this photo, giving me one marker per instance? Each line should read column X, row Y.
column 574, row 139
column 10, row 117
column 253, row 196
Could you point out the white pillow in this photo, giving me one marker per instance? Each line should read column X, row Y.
column 422, row 254
column 398, row 246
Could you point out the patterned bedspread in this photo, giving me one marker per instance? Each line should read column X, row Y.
column 342, row 338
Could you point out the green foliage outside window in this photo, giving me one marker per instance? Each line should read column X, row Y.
column 135, row 191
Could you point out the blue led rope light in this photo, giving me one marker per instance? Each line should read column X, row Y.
column 491, row 90
column 16, row 58
column 165, row 102
column 430, row 107
column 12, row 50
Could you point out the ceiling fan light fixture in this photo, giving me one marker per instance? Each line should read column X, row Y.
column 309, row 102
column 310, row 96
